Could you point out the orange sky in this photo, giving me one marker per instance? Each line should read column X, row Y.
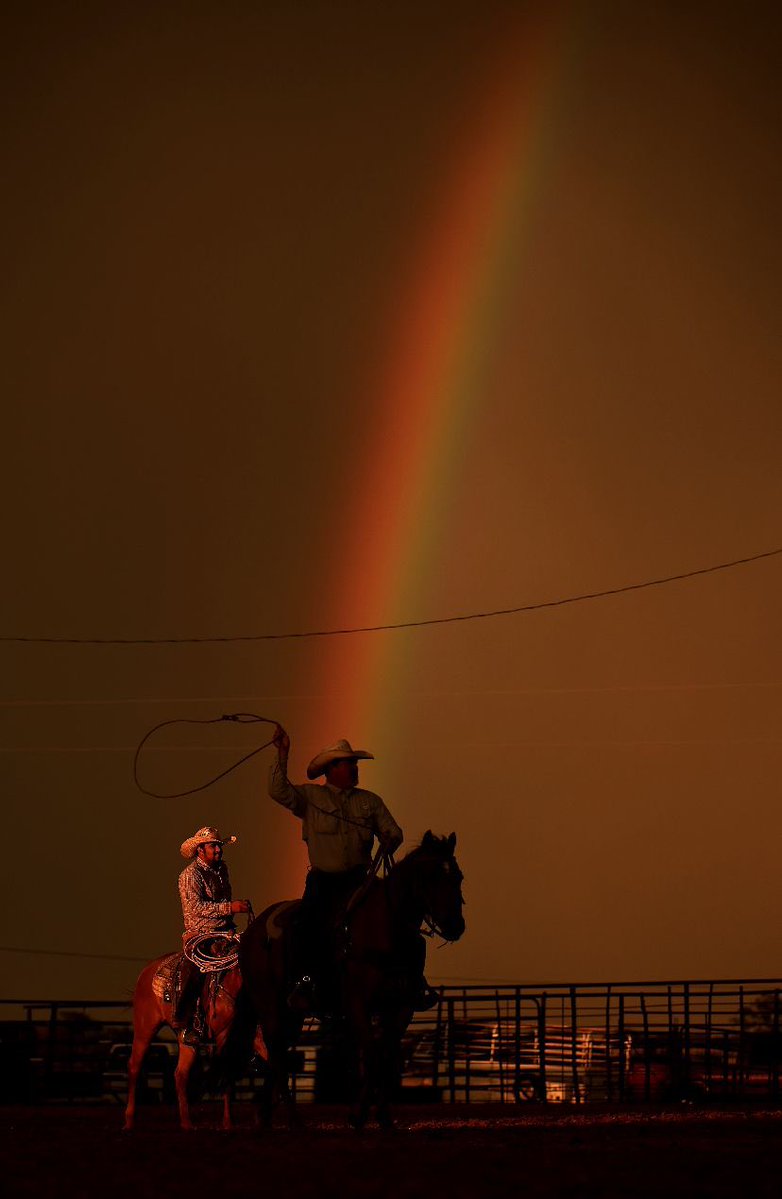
column 215, row 220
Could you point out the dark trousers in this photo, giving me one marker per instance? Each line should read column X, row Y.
column 325, row 896
column 191, row 981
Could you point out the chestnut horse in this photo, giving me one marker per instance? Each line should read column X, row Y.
column 376, row 982
column 151, row 1012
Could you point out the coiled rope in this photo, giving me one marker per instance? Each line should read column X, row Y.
column 214, row 952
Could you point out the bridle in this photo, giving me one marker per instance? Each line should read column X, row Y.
column 427, row 925
column 430, row 928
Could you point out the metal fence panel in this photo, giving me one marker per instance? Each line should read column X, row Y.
column 537, row 1043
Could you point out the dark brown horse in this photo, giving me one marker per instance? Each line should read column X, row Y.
column 151, row 1011
column 376, row 975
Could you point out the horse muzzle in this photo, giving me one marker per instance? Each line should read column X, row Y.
column 452, row 930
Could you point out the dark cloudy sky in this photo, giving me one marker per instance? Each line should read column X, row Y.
column 209, row 213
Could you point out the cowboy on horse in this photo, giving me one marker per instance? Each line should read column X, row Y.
column 207, row 907
column 210, row 952
column 340, row 822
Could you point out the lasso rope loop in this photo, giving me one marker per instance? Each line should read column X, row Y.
column 236, row 718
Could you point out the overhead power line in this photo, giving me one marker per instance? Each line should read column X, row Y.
column 448, row 693
column 69, row 953
column 402, row 624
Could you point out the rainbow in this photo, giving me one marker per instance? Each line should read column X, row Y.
column 450, row 299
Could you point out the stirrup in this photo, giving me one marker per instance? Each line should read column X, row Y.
column 302, row 997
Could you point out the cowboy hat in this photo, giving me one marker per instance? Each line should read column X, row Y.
column 343, row 749
column 203, row 837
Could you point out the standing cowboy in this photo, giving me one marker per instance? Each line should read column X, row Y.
column 339, row 824
column 207, row 907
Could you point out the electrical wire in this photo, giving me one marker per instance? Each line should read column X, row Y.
column 70, row 953
column 405, row 624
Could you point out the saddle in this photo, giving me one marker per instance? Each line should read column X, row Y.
column 314, row 972
column 167, row 980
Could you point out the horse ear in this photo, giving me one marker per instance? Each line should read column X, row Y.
column 452, row 842
column 428, row 838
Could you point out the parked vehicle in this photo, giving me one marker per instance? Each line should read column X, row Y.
column 500, row 1061
column 156, row 1082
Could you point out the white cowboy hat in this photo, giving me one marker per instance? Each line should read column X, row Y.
column 343, row 749
column 202, row 837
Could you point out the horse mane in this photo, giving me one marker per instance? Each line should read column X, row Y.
column 430, row 846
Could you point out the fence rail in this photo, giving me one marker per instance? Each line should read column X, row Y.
column 648, row 1042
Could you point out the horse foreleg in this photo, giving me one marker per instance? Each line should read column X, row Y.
column 141, row 1040
column 272, row 1088
column 282, row 1088
column 227, row 1094
column 393, row 1027
column 364, row 1049
column 187, row 1055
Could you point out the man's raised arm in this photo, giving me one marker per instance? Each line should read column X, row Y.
column 280, row 789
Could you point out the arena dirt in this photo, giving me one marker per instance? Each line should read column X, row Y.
column 80, row 1153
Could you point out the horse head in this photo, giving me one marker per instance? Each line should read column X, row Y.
column 441, row 884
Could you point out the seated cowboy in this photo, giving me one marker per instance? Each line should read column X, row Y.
column 207, row 906
column 340, row 822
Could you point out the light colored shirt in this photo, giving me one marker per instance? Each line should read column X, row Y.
column 206, row 899
column 338, row 826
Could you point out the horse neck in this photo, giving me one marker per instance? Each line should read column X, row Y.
column 404, row 897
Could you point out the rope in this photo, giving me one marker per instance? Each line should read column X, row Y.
column 211, row 963
column 237, row 718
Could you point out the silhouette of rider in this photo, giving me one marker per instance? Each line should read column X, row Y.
column 340, row 822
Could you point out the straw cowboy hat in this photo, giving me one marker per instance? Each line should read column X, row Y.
column 202, row 837
column 343, row 749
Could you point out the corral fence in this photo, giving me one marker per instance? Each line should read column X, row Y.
column 647, row 1042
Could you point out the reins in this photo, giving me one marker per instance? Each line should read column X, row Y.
column 382, row 858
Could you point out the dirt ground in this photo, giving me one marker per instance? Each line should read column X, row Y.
column 80, row 1153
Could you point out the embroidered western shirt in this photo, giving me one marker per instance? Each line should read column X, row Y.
column 206, row 899
column 339, row 827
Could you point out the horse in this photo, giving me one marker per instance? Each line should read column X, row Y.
column 375, row 976
column 152, row 1010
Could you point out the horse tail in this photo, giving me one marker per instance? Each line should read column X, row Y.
column 233, row 1059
